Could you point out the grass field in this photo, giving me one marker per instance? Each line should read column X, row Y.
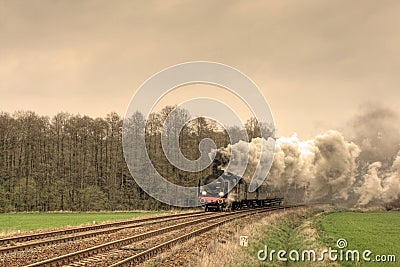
column 304, row 229
column 279, row 230
column 13, row 222
column 378, row 232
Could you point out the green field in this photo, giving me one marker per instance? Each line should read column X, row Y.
column 11, row 222
column 378, row 232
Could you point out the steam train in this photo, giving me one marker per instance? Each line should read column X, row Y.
column 218, row 192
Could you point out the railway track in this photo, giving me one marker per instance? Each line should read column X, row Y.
column 145, row 245
column 88, row 232
column 29, row 237
column 155, row 250
column 23, row 254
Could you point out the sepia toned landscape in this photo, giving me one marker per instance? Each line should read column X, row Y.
column 186, row 133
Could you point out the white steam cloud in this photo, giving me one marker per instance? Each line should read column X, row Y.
column 380, row 187
column 323, row 169
column 324, row 166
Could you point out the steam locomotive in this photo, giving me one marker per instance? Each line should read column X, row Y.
column 218, row 192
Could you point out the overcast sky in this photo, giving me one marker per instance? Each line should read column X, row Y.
column 315, row 61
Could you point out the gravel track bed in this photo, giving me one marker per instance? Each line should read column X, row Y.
column 108, row 225
column 106, row 259
column 187, row 253
column 20, row 258
column 82, row 233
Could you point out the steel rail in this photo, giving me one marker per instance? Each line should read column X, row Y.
column 147, row 254
column 28, row 237
column 27, row 246
column 74, row 256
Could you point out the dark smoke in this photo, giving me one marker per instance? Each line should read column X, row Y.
column 375, row 129
column 222, row 157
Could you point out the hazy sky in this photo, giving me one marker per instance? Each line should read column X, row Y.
column 315, row 61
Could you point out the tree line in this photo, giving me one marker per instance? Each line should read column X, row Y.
column 76, row 163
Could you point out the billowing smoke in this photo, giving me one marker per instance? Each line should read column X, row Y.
column 362, row 171
column 222, row 157
column 391, row 184
column 379, row 186
column 375, row 129
column 322, row 168
column 371, row 189
column 246, row 156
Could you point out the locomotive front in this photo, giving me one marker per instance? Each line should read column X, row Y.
column 213, row 195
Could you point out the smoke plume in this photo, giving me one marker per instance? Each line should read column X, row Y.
column 244, row 158
column 375, row 129
column 322, row 168
column 371, row 188
column 380, row 187
column 361, row 171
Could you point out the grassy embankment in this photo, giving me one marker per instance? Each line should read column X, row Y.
column 12, row 222
column 290, row 229
column 310, row 230
column 378, row 232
